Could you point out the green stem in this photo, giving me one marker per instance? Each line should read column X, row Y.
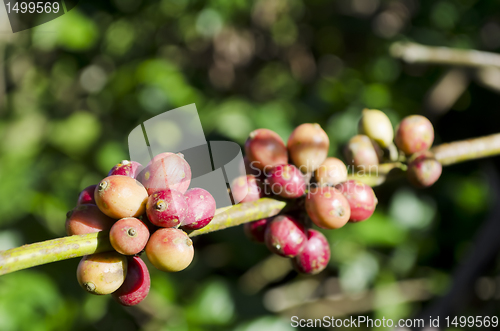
column 28, row 256
column 75, row 246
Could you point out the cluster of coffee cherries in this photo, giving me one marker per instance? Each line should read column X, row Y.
column 144, row 209
column 377, row 142
column 300, row 170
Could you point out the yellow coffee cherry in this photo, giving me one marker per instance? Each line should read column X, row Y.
column 376, row 125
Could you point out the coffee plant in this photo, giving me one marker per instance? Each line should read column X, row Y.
column 287, row 192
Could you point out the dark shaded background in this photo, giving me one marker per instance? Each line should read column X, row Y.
column 72, row 89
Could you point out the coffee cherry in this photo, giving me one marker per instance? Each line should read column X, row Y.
column 377, row 126
column 314, row 256
column 166, row 208
column 256, row 230
column 361, row 151
column 308, row 146
column 265, row 148
column 331, row 172
column 327, row 207
column 285, row 236
column 246, row 189
column 121, row 196
column 423, row 169
column 129, row 236
column 170, row 250
column 86, row 196
column 166, row 171
column 87, row 219
column 287, row 181
column 200, row 209
column 361, row 198
column 102, row 273
column 249, row 168
column 414, row 134
column 136, row 286
column 126, row 168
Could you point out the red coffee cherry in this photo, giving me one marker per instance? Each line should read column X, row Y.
column 361, row 151
column 246, row 189
column 102, row 273
column 361, row 198
column 126, row 168
column 423, row 169
column 256, row 230
column 166, row 208
column 85, row 219
column 265, row 148
column 414, row 134
column 121, row 196
column 166, row 171
column 314, row 256
column 308, row 146
column 129, row 236
column 331, row 172
column 170, row 250
column 137, row 283
column 86, row 196
column 285, row 236
column 200, row 209
column 287, row 181
column 327, row 207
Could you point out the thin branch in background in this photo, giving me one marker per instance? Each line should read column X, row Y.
column 296, row 299
column 489, row 77
column 268, row 271
column 485, row 249
column 446, row 92
column 416, row 53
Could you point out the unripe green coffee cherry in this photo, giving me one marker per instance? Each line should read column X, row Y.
column 377, row 126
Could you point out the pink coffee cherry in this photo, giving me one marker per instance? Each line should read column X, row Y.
column 121, row 196
column 285, row 236
column 361, row 151
column 414, row 134
column 87, row 218
column 166, row 171
column 129, row 236
column 166, row 208
column 308, row 146
column 423, row 169
column 287, row 181
column 331, row 172
column 86, row 196
column 126, row 168
column 170, row 250
column 314, row 256
column 265, row 148
column 200, row 209
column 256, row 230
column 361, row 198
column 137, row 283
column 246, row 189
column 327, row 207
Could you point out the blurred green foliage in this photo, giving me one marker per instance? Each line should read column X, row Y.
column 75, row 87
